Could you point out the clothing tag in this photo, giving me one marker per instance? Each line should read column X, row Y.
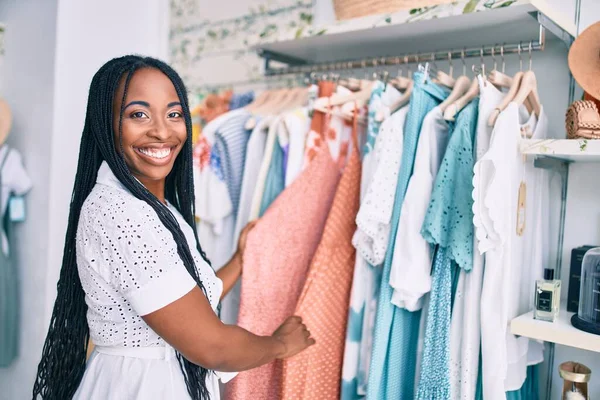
column 521, row 208
column 16, row 207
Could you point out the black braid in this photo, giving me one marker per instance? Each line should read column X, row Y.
column 64, row 355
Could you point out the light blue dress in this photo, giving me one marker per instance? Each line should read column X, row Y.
column 354, row 385
column 448, row 225
column 393, row 360
column 275, row 181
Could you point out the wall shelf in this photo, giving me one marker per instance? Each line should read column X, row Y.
column 570, row 150
column 418, row 31
column 560, row 332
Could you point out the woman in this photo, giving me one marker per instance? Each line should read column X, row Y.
column 132, row 261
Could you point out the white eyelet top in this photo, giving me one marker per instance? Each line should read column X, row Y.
column 129, row 266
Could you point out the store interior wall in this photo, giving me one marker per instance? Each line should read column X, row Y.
column 53, row 47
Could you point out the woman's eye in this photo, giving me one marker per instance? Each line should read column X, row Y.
column 175, row 114
column 138, row 114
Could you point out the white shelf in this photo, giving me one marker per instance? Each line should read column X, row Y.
column 404, row 32
column 559, row 332
column 574, row 150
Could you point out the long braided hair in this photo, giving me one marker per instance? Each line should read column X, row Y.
column 64, row 355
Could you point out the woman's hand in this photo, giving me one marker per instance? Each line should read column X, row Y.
column 294, row 336
column 243, row 237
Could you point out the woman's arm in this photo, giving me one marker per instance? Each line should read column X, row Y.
column 191, row 326
column 231, row 271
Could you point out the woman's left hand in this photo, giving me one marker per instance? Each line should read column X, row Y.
column 243, row 237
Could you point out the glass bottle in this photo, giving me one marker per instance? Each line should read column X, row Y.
column 547, row 297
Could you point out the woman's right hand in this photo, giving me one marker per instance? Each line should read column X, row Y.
column 294, row 336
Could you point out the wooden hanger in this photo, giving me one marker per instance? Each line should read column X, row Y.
column 461, row 86
column 473, row 91
column 402, row 101
column 501, row 80
column 529, row 91
column 362, row 96
column 454, row 108
column 510, row 95
column 259, row 100
column 515, row 89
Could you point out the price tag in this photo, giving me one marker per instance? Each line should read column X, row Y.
column 16, row 208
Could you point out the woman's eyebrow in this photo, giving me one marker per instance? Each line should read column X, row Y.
column 173, row 104
column 137, row 102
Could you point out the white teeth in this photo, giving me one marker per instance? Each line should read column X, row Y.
column 156, row 153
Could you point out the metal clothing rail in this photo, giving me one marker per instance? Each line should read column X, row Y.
column 374, row 62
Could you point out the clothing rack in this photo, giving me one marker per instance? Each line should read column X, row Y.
column 375, row 62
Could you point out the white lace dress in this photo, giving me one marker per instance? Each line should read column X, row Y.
column 129, row 266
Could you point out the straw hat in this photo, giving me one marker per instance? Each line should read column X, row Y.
column 5, row 121
column 584, row 60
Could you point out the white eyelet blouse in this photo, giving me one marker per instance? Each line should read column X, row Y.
column 129, row 266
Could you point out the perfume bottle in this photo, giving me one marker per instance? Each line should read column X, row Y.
column 547, row 297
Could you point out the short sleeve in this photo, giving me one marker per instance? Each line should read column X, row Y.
column 127, row 244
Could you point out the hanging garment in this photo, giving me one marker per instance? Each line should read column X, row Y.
column 277, row 256
column 231, row 140
column 323, row 304
column 465, row 331
column 255, row 150
column 275, row 180
column 13, row 181
column 320, row 124
column 213, row 203
column 214, row 186
column 410, row 275
column 296, row 125
column 531, row 387
column 130, row 360
column 240, row 100
column 261, row 179
column 377, row 199
column 448, row 225
column 512, row 262
column 254, row 154
column 392, row 371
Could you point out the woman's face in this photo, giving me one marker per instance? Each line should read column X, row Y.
column 153, row 127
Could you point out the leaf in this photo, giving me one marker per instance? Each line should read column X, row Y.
column 414, row 11
column 506, row 3
column 212, row 34
column 470, row 6
column 299, row 33
column 307, row 17
column 388, row 20
column 321, row 32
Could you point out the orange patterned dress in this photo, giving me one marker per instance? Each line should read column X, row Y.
column 323, row 305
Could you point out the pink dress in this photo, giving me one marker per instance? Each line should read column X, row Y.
column 316, row 373
column 278, row 253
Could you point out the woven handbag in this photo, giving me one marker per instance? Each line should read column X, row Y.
column 347, row 9
column 583, row 120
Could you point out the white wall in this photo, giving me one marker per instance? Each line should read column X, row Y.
column 27, row 84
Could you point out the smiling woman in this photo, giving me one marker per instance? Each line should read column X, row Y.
column 151, row 134
column 134, row 278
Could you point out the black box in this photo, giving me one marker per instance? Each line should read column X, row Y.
column 575, row 277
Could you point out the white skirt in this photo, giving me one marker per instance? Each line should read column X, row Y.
column 142, row 373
